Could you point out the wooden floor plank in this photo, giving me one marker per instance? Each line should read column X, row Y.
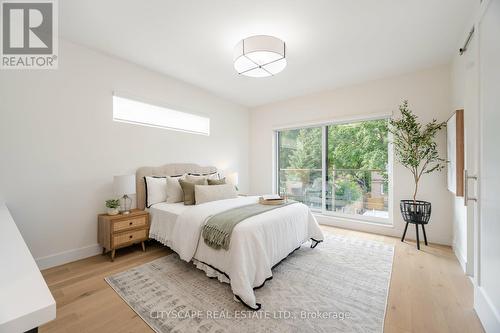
column 428, row 292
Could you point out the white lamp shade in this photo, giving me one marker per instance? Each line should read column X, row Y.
column 259, row 56
column 232, row 178
column 124, row 184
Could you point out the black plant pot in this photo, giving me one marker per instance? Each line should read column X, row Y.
column 416, row 212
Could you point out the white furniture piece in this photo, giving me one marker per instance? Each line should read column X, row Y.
column 25, row 299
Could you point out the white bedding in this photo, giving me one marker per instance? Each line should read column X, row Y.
column 257, row 243
column 163, row 218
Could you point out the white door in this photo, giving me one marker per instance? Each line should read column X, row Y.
column 471, row 120
column 487, row 279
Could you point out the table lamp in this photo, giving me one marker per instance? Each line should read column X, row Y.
column 232, row 178
column 123, row 186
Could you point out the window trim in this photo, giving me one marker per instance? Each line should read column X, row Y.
column 334, row 121
column 324, row 165
column 324, row 124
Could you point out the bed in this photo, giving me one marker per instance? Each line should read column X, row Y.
column 258, row 243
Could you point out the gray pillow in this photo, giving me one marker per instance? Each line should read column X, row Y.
column 216, row 181
column 207, row 193
column 188, row 189
column 192, row 178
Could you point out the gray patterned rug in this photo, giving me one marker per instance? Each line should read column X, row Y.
column 340, row 286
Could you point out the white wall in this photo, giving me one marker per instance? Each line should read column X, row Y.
column 60, row 148
column 428, row 93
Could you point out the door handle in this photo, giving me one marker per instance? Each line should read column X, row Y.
column 466, row 188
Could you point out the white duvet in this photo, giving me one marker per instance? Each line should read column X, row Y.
column 257, row 243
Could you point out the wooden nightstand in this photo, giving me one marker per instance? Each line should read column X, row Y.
column 118, row 231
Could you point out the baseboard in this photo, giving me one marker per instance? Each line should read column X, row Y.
column 373, row 228
column 68, row 256
column 489, row 316
column 461, row 260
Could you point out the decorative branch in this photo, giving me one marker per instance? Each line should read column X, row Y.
column 415, row 145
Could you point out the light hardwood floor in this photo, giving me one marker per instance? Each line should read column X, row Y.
column 428, row 292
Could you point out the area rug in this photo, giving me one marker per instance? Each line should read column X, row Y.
column 339, row 286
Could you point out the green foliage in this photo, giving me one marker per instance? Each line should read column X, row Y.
column 361, row 145
column 113, row 203
column 287, row 146
column 307, row 153
column 414, row 144
column 300, row 149
column 355, row 148
column 347, row 190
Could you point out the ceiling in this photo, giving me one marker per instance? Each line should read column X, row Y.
column 330, row 43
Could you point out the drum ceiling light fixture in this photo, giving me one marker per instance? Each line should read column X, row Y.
column 259, row 56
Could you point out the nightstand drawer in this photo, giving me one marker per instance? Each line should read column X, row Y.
column 117, row 231
column 127, row 237
column 129, row 223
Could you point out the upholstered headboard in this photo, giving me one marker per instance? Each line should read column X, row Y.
column 165, row 170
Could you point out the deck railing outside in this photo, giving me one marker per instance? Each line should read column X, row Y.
column 348, row 191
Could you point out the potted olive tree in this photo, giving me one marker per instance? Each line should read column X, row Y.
column 416, row 149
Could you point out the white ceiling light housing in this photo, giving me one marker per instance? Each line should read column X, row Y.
column 259, row 56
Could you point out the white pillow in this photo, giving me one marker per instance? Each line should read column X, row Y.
column 207, row 193
column 156, row 190
column 174, row 189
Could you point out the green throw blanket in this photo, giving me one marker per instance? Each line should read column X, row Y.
column 218, row 229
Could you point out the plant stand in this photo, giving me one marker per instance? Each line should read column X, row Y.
column 416, row 230
column 416, row 212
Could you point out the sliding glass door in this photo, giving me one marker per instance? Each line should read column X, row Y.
column 338, row 169
column 300, row 165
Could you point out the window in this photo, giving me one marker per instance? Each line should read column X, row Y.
column 300, row 165
column 139, row 113
column 337, row 169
